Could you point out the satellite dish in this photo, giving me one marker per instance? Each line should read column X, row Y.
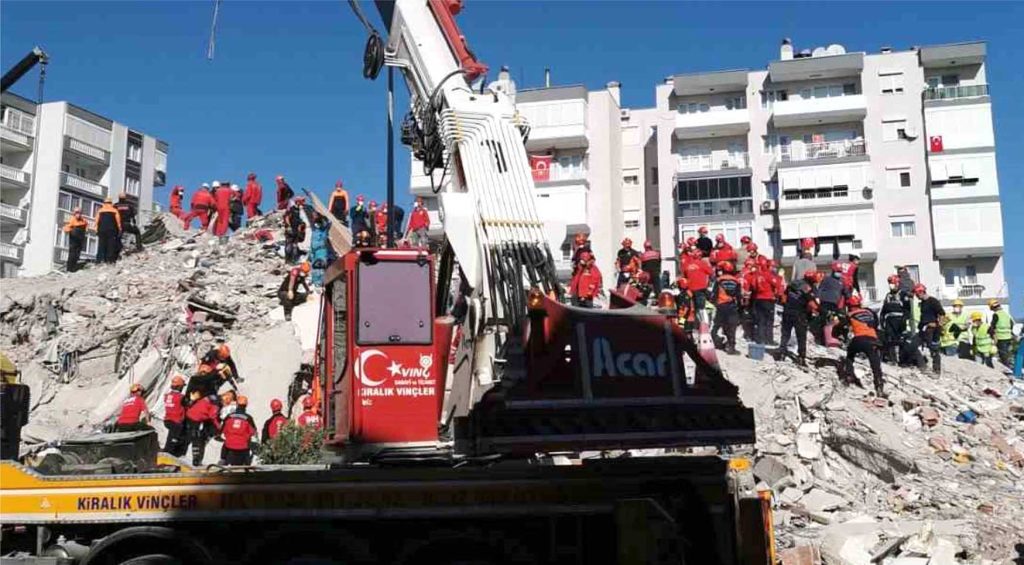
column 836, row 49
column 818, row 52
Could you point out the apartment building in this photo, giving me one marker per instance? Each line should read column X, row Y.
column 576, row 142
column 886, row 155
column 56, row 157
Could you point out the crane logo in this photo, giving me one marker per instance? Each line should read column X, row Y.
column 607, row 362
column 361, row 367
column 389, row 368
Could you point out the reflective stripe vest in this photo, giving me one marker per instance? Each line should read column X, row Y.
column 947, row 339
column 1003, row 324
column 982, row 341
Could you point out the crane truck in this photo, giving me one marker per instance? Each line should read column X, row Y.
column 454, row 385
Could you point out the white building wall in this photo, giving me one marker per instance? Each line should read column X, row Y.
column 38, row 257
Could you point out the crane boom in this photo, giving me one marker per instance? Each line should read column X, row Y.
column 30, row 60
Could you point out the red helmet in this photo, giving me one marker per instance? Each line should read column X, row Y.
column 647, row 245
column 681, row 282
column 691, row 241
column 836, row 266
column 177, row 381
column 920, row 289
column 643, row 277
column 702, row 230
column 893, row 279
column 745, row 239
column 136, row 387
column 276, row 405
column 586, row 257
column 627, row 242
column 580, row 238
column 280, row 177
column 373, row 203
column 696, row 252
column 307, row 402
column 811, row 276
column 853, row 300
column 223, row 352
column 251, row 176
column 751, row 247
column 726, row 267
column 339, row 184
column 807, row 242
column 720, row 238
column 360, row 198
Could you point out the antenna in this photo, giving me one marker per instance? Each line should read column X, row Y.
column 213, row 31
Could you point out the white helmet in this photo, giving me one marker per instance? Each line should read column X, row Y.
column 216, row 184
column 206, row 185
column 235, row 188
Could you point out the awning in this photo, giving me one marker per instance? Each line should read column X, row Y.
column 572, row 229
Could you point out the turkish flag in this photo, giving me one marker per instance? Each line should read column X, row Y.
column 541, row 167
column 935, row 143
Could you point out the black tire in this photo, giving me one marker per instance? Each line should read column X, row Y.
column 153, row 559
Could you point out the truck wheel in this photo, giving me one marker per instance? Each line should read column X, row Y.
column 470, row 547
column 148, row 545
column 154, row 559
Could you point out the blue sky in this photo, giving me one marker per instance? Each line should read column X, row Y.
column 285, row 94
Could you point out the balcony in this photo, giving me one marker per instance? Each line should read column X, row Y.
column 92, row 188
column 557, row 117
column 691, row 166
column 11, row 252
column 961, row 245
column 15, row 140
column 84, row 149
column 713, row 123
column 15, row 176
column 825, row 152
column 797, row 112
column 12, row 213
column 956, row 92
column 793, row 200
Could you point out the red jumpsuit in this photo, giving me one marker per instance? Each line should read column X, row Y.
column 273, row 426
column 252, row 198
column 585, row 285
column 725, row 252
column 176, row 197
column 223, row 204
column 311, row 419
column 239, row 429
column 202, row 203
column 131, row 411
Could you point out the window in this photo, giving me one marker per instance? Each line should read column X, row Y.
column 135, row 152
column 132, row 186
column 657, row 221
column 897, row 178
column 393, row 303
column 891, row 83
column 566, row 251
column 632, row 223
column 950, row 80
column 893, row 130
column 958, row 276
column 736, row 103
column 654, row 176
column 631, row 180
column 849, row 89
column 904, row 228
column 915, row 272
column 693, row 107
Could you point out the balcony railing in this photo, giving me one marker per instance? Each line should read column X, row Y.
column 15, row 136
column 562, row 174
column 17, row 175
column 712, row 162
column 970, row 291
column 12, row 212
column 823, row 150
column 952, row 92
column 71, row 181
column 84, row 148
column 10, row 251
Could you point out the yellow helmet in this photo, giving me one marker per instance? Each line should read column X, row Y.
column 958, row 302
column 976, row 316
column 993, row 303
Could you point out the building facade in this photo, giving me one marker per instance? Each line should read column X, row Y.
column 56, row 157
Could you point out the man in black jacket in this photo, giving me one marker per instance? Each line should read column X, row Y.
column 129, row 218
column 929, row 327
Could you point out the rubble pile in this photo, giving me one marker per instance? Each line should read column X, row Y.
column 80, row 339
column 933, row 475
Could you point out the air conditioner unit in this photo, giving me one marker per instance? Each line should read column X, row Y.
column 768, row 206
column 910, row 132
column 624, row 113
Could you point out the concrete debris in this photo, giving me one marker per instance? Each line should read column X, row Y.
column 852, row 474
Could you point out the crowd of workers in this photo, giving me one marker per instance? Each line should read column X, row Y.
column 111, row 222
column 739, row 288
column 196, row 411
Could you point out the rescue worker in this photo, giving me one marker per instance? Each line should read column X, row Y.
column 580, row 244
column 685, row 310
column 650, row 263
column 743, row 253
column 338, row 204
column 722, row 251
column 235, row 208
column 216, row 366
column 981, row 335
column 803, row 264
column 864, row 325
column 108, row 230
column 309, row 417
column 201, row 423
column 698, row 272
column 222, row 203
column 704, row 242
column 1001, row 330
column 284, row 193
column 848, row 269
column 644, row 289
column 726, row 295
column 319, row 248
column 765, row 291
column 134, row 415
column 381, row 225
column 895, row 307
column 419, row 223
column 294, row 230
column 586, row 283
column 832, row 297
column 228, row 403
column 202, row 204
column 359, row 217
column 362, row 239
column 930, row 325
column 252, row 197
column 799, row 303
column 239, row 430
column 174, row 417
column 75, row 228
column 275, row 422
column 177, row 200
column 289, row 293
column 955, row 330
column 399, row 214
column 371, row 219
column 627, row 262
column 129, row 219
